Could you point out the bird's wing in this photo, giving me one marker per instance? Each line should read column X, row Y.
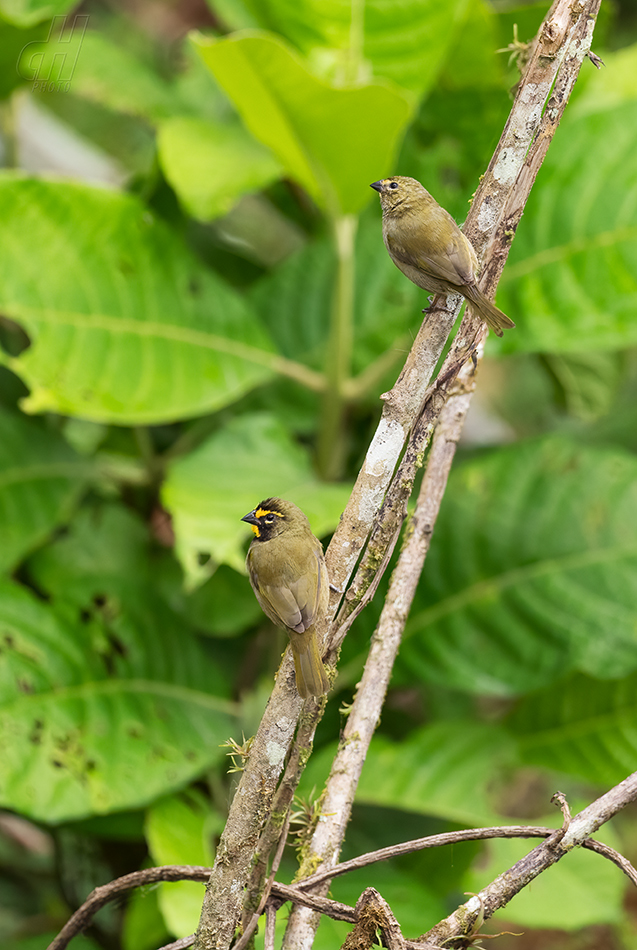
column 296, row 601
column 283, row 603
column 455, row 264
column 462, row 258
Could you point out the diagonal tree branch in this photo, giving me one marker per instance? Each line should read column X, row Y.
column 560, row 47
column 573, row 834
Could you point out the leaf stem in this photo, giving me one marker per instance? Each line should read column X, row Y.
column 331, row 438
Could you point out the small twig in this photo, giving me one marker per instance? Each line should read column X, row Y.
column 422, row 844
column 254, row 922
column 270, row 927
column 181, row 944
column 103, row 895
column 559, row 799
column 321, row 905
column 373, row 913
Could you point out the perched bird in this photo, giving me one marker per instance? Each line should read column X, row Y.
column 288, row 575
column 427, row 245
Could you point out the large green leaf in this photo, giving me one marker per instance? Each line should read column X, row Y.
column 104, row 746
column 40, row 479
column 430, row 771
column 532, row 571
column 74, row 742
column 210, row 490
column 211, row 166
column 125, row 324
column 333, row 141
column 89, row 64
column 28, row 12
column 571, row 280
column 586, row 728
column 179, row 830
column 104, row 571
column 294, row 300
column 406, row 42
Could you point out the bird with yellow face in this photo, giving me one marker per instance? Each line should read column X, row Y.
column 427, row 245
column 287, row 571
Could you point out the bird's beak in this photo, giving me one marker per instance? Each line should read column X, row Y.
column 251, row 518
column 377, row 186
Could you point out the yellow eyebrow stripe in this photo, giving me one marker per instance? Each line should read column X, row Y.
column 261, row 512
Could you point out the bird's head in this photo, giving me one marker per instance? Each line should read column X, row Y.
column 399, row 193
column 273, row 517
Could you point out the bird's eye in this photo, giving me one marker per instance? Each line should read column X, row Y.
column 269, row 519
column 393, row 184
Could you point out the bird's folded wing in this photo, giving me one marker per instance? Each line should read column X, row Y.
column 453, row 266
column 283, row 602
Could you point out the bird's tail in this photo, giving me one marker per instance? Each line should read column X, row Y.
column 487, row 310
column 311, row 678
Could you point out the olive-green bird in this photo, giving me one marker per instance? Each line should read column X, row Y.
column 288, row 575
column 427, row 245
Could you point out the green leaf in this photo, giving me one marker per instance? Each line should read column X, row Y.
column 104, row 746
column 75, row 742
column 13, row 42
column 586, row 728
column 405, row 42
column 531, row 571
column 571, row 282
column 210, row 490
column 40, row 480
column 91, row 65
column 609, row 87
column 143, row 926
column 333, row 141
column 294, row 300
column 28, row 12
column 125, row 324
column 179, row 831
column 39, row 651
column 104, row 571
column 581, row 889
column 589, row 381
column 211, row 166
column 429, row 773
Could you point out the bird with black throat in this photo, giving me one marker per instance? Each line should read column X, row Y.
column 427, row 245
column 286, row 567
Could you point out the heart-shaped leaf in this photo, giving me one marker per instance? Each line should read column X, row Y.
column 333, row 141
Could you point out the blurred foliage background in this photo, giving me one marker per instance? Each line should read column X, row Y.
column 197, row 312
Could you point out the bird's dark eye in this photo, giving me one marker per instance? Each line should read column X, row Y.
column 269, row 519
column 393, row 184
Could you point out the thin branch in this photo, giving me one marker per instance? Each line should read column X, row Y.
column 103, row 895
column 270, row 927
column 453, row 930
column 182, row 944
column 253, row 923
column 422, row 844
column 588, row 821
